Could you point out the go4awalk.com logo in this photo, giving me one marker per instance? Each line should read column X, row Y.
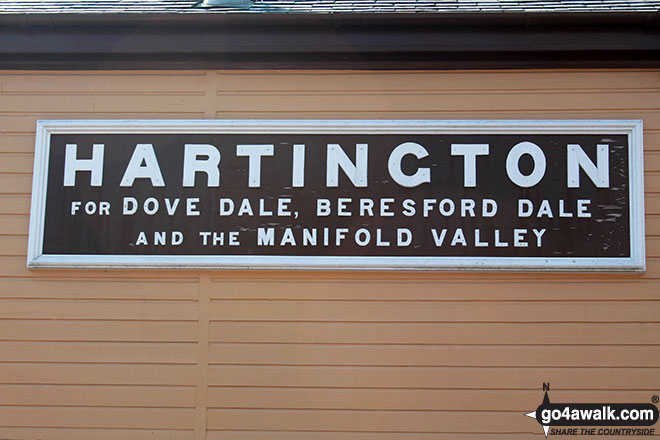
column 620, row 419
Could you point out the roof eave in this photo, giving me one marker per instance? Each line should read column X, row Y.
column 330, row 41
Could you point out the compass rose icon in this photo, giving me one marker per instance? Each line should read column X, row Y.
column 536, row 414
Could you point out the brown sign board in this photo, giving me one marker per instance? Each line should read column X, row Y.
column 388, row 195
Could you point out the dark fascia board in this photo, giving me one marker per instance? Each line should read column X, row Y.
column 329, row 41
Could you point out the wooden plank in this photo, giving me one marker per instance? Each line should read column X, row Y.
column 120, row 83
column 432, row 100
column 371, row 311
column 651, row 140
column 516, row 81
column 81, row 417
column 16, row 184
column 652, row 204
column 17, row 143
column 16, row 163
column 402, row 399
column 101, row 331
column 405, row 355
column 251, row 434
column 430, row 287
column 14, row 224
column 105, row 352
column 370, row 421
column 652, row 182
column 429, row 333
column 163, row 288
column 653, row 247
column 95, row 395
column 100, row 374
column 13, row 245
column 651, row 118
column 14, row 204
column 652, row 161
column 652, row 223
column 98, row 309
column 96, row 434
column 92, row 102
column 467, row 377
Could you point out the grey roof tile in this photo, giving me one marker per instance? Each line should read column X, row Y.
column 324, row 6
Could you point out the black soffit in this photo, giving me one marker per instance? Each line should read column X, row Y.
column 355, row 40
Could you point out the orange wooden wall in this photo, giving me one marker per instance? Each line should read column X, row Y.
column 133, row 355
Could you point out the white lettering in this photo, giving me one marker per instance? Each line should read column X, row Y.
column 72, row 165
column 513, row 163
column 143, row 153
column 422, row 175
column 469, row 153
column 255, row 153
column 337, row 158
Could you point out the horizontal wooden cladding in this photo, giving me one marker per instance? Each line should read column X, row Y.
column 652, row 182
column 15, row 204
column 25, row 123
column 101, row 103
column 14, row 224
column 424, row 355
column 16, row 163
column 410, row 311
column 99, row 352
column 72, row 287
column 402, row 399
column 310, row 81
column 428, row 333
column 650, row 117
column 371, row 421
column 18, row 143
column 83, row 417
column 100, row 374
column 466, row 377
column 251, row 434
column 13, row 245
column 652, row 224
column 15, row 183
column 96, row 434
column 424, row 287
column 80, row 82
column 98, row 309
column 101, row 331
column 97, row 396
column 378, row 82
column 432, row 100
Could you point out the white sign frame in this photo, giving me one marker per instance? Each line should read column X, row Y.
column 632, row 128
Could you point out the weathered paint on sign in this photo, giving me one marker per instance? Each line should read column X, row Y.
column 421, row 195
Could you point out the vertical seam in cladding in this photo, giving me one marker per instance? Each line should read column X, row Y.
column 201, row 406
column 211, row 95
